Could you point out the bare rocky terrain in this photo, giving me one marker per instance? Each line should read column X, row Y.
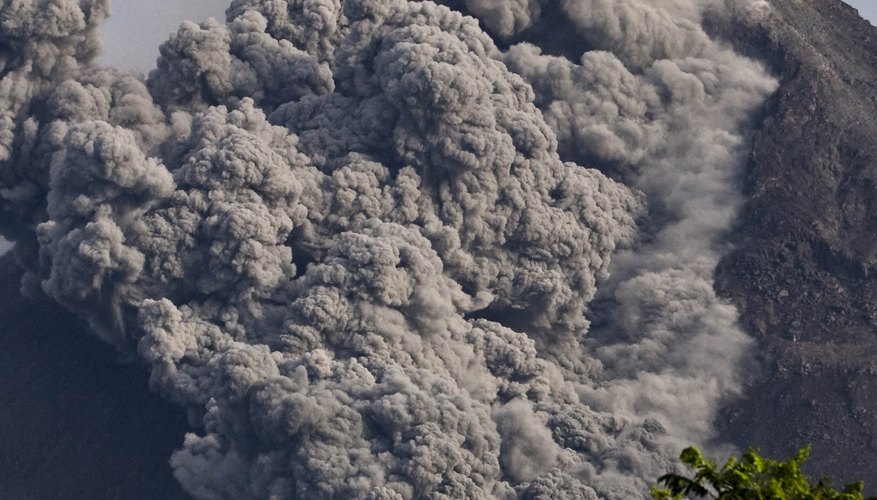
column 803, row 274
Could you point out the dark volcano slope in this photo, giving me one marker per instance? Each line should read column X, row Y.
column 804, row 275
column 74, row 423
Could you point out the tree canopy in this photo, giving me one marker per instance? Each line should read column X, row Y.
column 751, row 478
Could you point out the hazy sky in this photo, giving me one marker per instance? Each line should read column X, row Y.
column 867, row 8
column 137, row 27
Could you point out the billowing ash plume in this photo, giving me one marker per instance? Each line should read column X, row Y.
column 356, row 240
column 667, row 109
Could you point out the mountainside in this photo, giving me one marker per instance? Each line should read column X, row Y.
column 75, row 423
column 803, row 275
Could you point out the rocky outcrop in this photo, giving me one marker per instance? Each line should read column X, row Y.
column 804, row 274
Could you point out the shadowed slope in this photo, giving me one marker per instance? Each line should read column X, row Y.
column 74, row 423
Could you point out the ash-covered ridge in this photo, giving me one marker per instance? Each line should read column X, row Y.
column 359, row 241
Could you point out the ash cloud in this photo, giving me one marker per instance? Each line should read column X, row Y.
column 668, row 110
column 360, row 243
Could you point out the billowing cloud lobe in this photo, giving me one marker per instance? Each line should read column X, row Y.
column 360, row 243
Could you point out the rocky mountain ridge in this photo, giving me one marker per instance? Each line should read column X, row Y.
column 803, row 274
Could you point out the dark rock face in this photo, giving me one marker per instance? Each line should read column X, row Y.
column 804, row 275
column 74, row 424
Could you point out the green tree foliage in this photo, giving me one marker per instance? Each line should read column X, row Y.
column 752, row 478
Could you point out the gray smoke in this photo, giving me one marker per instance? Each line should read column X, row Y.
column 668, row 110
column 357, row 242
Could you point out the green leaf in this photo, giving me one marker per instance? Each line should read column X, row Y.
column 752, row 478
